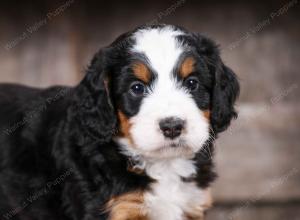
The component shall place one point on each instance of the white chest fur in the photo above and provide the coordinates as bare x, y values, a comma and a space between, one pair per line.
171, 198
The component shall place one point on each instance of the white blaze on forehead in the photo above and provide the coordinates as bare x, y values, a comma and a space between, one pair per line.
160, 47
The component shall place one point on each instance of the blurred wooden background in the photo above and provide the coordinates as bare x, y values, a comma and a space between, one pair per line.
43, 43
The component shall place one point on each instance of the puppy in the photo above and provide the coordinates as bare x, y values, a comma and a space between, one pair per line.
132, 141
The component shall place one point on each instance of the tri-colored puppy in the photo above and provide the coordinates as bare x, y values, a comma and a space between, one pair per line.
133, 141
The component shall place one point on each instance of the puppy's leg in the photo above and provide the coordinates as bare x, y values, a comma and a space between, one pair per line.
129, 206
198, 212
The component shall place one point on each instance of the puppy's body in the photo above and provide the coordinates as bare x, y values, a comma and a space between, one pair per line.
40, 178
105, 149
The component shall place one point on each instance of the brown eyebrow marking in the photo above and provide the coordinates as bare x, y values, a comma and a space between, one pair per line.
187, 67
141, 71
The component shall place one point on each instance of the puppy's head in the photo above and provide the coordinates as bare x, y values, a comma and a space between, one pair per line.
164, 89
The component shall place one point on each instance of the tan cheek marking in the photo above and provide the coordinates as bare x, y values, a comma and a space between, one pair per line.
129, 206
207, 114
187, 67
198, 212
124, 126
141, 72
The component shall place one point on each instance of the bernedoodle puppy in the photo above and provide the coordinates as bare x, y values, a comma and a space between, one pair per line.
132, 141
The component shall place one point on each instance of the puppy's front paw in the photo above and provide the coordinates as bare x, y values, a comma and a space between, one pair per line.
129, 206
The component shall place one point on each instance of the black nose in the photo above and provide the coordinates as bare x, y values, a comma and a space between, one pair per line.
171, 127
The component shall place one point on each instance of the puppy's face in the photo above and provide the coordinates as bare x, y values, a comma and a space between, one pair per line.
164, 98
162, 83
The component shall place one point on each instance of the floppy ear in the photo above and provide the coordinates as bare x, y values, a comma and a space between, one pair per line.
94, 109
225, 88
225, 91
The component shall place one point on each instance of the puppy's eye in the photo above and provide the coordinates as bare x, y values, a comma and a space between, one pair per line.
191, 83
137, 89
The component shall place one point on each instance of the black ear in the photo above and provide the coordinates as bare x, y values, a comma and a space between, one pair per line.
94, 109
225, 84
226, 90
